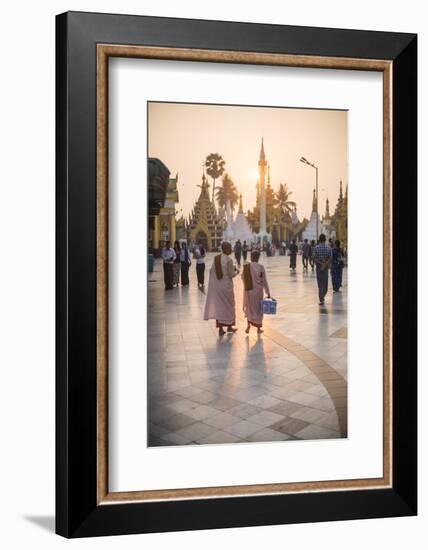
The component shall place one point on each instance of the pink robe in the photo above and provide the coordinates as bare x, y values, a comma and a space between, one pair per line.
220, 303
252, 298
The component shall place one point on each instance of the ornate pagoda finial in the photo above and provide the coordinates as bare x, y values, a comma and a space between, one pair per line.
204, 186
340, 191
262, 159
240, 203
314, 201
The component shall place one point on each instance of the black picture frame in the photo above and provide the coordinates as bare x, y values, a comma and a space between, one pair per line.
77, 511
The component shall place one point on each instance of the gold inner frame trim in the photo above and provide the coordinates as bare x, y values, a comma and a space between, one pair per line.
104, 51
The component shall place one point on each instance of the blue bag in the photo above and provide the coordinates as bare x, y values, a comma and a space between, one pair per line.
269, 306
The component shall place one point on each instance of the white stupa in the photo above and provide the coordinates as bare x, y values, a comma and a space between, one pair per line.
228, 232
241, 228
310, 231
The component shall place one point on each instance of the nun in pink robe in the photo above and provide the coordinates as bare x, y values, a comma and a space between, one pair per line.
255, 284
220, 303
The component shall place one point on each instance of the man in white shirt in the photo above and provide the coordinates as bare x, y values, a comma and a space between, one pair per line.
168, 257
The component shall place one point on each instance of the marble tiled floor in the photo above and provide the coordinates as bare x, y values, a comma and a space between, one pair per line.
288, 383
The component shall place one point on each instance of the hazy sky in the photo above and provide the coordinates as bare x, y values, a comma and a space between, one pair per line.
182, 135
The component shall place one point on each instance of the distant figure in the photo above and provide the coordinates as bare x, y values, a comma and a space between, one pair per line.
322, 258
168, 257
199, 255
238, 251
311, 254
245, 251
185, 264
293, 254
255, 282
306, 250
177, 264
283, 248
336, 269
220, 303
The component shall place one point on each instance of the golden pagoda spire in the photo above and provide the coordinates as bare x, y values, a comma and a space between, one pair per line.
262, 176
314, 201
240, 203
204, 186
340, 192
327, 209
262, 153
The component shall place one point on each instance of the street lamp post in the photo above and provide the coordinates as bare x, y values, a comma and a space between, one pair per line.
305, 161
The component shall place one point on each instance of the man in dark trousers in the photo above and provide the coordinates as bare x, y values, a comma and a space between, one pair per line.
185, 264
293, 255
306, 249
168, 257
311, 254
238, 251
322, 257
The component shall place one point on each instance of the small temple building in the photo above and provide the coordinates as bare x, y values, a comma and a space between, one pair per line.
163, 197
204, 224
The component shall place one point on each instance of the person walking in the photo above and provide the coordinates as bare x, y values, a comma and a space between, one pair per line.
322, 258
177, 264
311, 255
199, 255
220, 303
255, 284
306, 249
336, 267
293, 255
245, 251
185, 264
238, 251
168, 257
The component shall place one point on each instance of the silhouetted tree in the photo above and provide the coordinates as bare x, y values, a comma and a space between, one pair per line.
214, 164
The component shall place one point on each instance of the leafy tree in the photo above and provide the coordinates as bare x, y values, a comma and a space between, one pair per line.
214, 165
282, 201
227, 194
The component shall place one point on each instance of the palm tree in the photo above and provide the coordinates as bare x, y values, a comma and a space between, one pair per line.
282, 200
227, 194
214, 164
284, 205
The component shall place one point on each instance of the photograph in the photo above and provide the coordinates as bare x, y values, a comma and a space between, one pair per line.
247, 259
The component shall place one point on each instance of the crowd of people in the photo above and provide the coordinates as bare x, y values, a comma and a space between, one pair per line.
176, 262
322, 257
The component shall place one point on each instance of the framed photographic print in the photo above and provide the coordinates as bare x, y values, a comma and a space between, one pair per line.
236, 327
